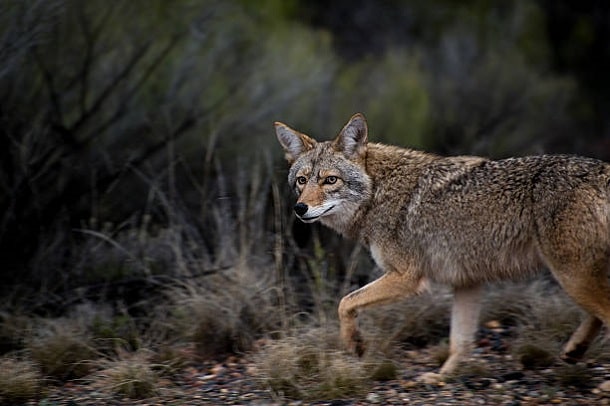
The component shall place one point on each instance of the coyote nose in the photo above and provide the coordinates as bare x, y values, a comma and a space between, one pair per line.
300, 208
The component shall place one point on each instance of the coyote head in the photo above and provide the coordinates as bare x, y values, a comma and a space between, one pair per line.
328, 177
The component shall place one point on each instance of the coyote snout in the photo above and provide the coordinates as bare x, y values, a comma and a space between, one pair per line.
462, 221
309, 214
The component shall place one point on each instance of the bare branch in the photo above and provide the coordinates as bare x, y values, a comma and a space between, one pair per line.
107, 92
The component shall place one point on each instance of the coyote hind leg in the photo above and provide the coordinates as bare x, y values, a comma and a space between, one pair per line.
591, 291
579, 342
389, 288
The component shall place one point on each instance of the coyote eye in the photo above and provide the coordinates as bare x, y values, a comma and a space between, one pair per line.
330, 180
301, 180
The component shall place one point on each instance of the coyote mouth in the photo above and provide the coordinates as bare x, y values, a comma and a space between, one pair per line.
314, 218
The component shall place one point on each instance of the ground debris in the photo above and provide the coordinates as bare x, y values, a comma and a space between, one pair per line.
234, 382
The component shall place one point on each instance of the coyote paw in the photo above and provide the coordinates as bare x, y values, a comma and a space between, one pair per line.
355, 344
430, 378
575, 355
359, 347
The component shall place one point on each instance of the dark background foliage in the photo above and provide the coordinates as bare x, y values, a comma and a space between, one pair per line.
122, 120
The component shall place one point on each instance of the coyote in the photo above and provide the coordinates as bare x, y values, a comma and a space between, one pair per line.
460, 221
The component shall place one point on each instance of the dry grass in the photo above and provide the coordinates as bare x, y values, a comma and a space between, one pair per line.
131, 375
62, 349
310, 365
226, 314
539, 310
577, 375
550, 319
20, 380
415, 322
170, 360
533, 355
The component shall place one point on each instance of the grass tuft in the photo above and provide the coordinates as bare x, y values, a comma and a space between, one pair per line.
130, 376
416, 322
170, 360
532, 356
311, 367
385, 371
20, 380
440, 352
577, 375
62, 351
226, 315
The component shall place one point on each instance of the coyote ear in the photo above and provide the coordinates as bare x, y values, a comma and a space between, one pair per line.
293, 142
353, 137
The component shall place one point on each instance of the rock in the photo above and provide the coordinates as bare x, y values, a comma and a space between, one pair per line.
431, 378
373, 398
409, 384
493, 324
604, 386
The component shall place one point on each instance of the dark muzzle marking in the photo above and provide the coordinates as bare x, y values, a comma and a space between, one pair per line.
300, 208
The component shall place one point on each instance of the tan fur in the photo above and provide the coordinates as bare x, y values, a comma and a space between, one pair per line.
462, 221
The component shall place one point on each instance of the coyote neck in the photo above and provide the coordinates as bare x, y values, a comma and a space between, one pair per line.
394, 174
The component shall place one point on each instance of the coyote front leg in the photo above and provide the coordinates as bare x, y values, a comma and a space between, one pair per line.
387, 289
464, 321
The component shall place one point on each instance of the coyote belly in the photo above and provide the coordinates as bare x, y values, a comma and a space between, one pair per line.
462, 221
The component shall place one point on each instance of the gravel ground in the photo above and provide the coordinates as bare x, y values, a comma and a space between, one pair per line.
504, 383
490, 377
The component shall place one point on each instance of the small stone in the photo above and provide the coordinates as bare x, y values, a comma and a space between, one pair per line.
493, 324
431, 378
604, 386
373, 398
